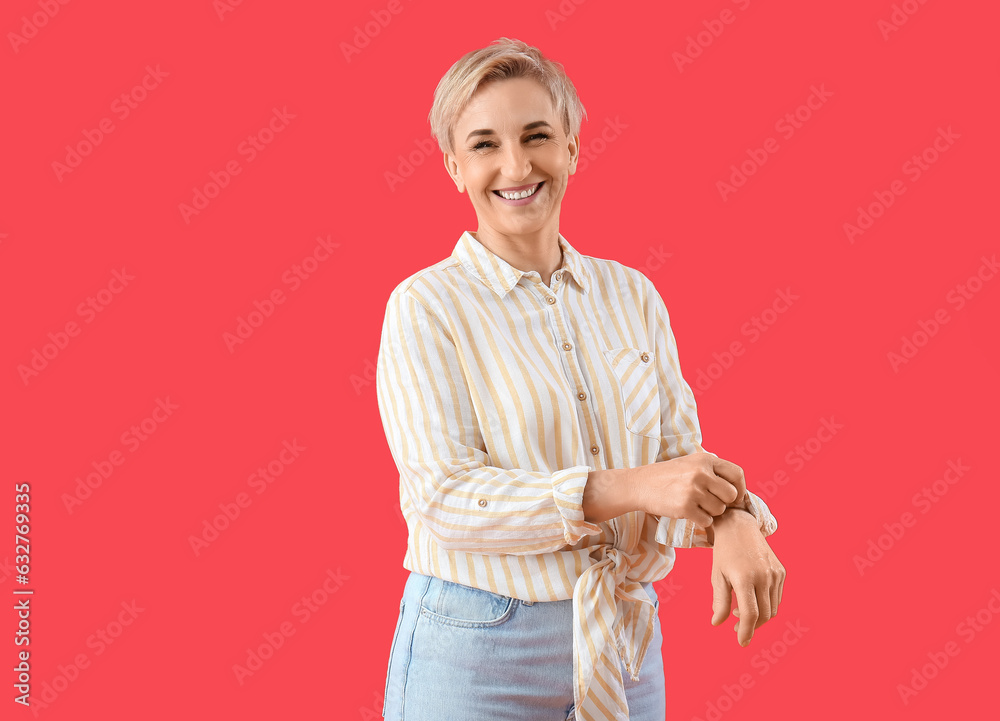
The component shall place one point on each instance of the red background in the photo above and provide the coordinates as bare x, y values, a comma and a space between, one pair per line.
305, 373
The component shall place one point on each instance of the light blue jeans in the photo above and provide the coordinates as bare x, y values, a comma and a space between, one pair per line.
464, 654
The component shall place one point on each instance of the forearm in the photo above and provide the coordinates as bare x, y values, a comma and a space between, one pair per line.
608, 494
494, 510
611, 492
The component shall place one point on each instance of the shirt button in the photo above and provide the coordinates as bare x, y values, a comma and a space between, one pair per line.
550, 299
567, 346
582, 396
645, 357
595, 450
482, 502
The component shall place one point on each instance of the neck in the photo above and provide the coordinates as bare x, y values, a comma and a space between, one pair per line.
540, 252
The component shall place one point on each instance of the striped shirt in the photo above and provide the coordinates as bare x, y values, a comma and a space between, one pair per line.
498, 395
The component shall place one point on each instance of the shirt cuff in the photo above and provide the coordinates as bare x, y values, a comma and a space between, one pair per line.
567, 491
677, 532
682, 533
766, 521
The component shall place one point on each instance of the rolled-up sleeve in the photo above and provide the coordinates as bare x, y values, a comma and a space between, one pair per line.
433, 432
680, 432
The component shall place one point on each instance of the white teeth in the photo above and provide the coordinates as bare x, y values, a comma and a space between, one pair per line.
520, 194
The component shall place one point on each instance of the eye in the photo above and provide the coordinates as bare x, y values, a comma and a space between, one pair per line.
490, 144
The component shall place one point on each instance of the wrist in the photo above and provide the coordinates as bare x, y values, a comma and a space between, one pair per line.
735, 510
733, 516
733, 519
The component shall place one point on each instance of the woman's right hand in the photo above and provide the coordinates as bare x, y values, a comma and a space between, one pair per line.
698, 486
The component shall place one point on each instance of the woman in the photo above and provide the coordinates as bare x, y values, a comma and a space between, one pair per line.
548, 447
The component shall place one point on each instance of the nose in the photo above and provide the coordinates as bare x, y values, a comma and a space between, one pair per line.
516, 164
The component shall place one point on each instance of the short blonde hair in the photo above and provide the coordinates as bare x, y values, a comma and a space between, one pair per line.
501, 60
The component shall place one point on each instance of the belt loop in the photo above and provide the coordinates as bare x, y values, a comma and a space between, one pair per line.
527, 603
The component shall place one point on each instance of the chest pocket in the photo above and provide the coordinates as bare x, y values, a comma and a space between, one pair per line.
635, 371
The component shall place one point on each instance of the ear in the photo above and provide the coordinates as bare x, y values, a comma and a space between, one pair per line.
451, 165
574, 153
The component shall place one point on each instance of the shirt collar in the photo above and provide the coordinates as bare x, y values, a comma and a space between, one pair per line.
501, 276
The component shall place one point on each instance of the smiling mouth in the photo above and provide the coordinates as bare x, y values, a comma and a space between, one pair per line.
520, 194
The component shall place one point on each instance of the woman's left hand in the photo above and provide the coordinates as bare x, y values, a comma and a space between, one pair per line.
743, 562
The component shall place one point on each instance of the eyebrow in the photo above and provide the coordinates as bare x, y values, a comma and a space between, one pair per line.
529, 126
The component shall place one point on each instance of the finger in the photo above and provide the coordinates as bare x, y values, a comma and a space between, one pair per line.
781, 586
712, 505
775, 595
700, 517
722, 599
747, 600
722, 489
732, 473
763, 594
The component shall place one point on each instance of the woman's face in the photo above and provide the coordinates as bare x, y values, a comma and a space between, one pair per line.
509, 138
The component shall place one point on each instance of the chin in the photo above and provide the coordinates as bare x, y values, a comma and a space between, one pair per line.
521, 228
